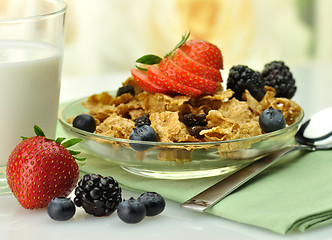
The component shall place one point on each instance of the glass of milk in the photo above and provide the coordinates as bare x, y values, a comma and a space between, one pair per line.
31, 50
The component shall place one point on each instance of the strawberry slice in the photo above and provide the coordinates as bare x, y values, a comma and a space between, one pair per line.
145, 83
187, 63
203, 52
175, 72
160, 79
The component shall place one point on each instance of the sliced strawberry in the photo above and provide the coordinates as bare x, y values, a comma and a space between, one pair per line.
187, 63
203, 52
145, 83
175, 72
160, 79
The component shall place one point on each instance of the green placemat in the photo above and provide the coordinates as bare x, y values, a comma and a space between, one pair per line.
295, 194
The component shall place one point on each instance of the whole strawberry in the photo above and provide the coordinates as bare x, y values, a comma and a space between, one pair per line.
39, 169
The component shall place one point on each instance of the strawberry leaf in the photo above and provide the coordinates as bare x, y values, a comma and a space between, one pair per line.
149, 59
38, 131
183, 40
74, 152
79, 159
59, 140
71, 142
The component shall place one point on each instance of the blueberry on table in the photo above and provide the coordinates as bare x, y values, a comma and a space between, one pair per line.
142, 133
61, 208
153, 202
131, 211
85, 122
271, 120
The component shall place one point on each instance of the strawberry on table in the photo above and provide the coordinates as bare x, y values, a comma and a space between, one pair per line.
39, 169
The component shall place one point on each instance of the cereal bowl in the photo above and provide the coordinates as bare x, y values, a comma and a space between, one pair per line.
184, 160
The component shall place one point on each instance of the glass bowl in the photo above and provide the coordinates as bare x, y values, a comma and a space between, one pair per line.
177, 160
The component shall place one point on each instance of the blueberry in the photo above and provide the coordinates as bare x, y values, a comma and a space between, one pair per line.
131, 211
271, 120
61, 209
85, 122
153, 202
125, 89
142, 133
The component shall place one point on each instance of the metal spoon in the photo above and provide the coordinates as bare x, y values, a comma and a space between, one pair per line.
314, 134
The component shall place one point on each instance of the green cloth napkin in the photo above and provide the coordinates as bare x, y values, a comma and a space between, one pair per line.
294, 194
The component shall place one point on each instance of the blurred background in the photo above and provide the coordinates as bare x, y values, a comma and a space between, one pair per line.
107, 36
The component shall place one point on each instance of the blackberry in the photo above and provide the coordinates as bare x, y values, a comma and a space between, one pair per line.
142, 120
98, 195
125, 89
242, 77
276, 74
191, 120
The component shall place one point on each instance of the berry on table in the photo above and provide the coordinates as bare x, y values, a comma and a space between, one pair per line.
142, 133
85, 122
242, 77
277, 75
40, 168
61, 208
153, 202
271, 120
98, 195
125, 89
131, 211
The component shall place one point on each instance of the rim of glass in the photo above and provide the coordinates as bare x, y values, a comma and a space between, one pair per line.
59, 11
122, 140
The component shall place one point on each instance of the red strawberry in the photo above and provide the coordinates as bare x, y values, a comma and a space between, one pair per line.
185, 62
159, 78
145, 83
39, 169
173, 71
203, 52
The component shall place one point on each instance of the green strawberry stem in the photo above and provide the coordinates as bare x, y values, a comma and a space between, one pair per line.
69, 143
183, 40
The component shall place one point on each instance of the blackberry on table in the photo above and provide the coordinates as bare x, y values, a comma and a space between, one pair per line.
142, 120
98, 195
125, 89
242, 77
276, 74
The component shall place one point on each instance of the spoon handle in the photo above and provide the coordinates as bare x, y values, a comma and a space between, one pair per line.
223, 188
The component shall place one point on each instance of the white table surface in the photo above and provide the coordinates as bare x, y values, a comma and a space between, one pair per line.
314, 87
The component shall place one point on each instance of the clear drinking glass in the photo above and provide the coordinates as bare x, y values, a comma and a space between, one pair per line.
31, 51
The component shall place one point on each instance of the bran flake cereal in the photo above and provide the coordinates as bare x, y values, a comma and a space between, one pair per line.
227, 118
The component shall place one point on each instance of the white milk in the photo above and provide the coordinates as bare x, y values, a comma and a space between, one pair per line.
29, 91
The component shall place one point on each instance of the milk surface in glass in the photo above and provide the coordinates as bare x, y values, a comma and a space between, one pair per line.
29, 92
